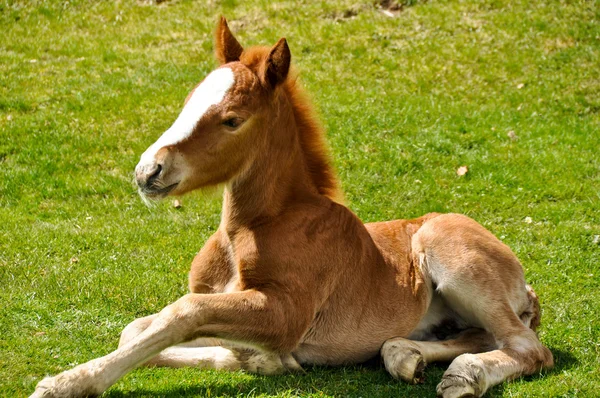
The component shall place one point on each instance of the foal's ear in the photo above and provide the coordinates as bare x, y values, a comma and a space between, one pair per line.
227, 48
277, 65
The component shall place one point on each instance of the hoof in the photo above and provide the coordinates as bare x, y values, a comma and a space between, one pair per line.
44, 389
71, 384
457, 387
407, 365
464, 378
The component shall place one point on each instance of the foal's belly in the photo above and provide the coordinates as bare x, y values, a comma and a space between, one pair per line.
346, 340
325, 354
353, 346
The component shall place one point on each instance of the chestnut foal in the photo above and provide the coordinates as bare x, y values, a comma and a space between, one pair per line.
293, 277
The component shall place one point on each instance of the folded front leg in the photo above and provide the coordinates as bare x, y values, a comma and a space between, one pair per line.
250, 316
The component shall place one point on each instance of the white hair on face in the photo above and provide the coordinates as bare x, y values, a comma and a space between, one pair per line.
210, 92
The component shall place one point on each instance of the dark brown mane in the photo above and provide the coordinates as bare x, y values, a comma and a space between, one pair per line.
311, 133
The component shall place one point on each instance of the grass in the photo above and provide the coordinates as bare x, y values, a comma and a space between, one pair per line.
85, 87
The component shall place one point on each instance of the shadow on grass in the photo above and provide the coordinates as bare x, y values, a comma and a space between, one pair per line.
562, 360
367, 380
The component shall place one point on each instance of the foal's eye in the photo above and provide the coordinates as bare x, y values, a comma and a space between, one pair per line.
233, 122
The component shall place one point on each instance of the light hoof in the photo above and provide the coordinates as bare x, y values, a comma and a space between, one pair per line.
69, 384
464, 378
44, 389
456, 389
407, 365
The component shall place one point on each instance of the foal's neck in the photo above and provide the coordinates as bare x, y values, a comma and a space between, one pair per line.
274, 181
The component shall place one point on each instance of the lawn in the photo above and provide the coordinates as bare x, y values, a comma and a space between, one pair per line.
508, 88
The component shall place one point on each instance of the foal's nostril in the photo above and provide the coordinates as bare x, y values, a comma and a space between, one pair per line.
155, 175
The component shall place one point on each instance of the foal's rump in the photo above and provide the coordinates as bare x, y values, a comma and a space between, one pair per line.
476, 283
476, 276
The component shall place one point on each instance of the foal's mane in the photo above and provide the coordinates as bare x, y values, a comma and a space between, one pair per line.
310, 131
312, 141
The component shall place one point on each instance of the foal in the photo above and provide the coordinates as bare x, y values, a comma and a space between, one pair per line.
293, 277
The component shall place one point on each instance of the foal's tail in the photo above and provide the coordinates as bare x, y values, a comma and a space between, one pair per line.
532, 316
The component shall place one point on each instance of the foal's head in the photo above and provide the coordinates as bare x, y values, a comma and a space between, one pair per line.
214, 138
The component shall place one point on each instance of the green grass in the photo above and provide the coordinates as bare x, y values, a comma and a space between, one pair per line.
85, 87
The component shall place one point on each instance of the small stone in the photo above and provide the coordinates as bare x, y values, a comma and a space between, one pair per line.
74, 260
528, 220
177, 204
520, 85
511, 134
9, 118
462, 170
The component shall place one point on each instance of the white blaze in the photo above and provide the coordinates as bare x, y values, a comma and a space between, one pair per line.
210, 92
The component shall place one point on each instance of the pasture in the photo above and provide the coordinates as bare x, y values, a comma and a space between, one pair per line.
408, 95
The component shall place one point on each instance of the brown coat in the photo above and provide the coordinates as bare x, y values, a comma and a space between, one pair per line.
293, 277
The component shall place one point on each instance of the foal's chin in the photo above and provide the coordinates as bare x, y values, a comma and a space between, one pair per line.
149, 197
207, 191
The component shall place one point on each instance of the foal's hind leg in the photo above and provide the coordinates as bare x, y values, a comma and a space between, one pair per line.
472, 375
406, 359
482, 281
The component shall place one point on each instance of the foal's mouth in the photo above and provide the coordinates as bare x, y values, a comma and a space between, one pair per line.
157, 192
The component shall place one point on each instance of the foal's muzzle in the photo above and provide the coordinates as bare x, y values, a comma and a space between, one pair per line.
147, 175
149, 181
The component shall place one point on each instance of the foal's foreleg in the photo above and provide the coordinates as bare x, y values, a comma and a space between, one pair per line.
244, 316
211, 353
226, 358
137, 327
202, 353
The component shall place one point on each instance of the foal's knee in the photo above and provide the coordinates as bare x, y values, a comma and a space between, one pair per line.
134, 329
